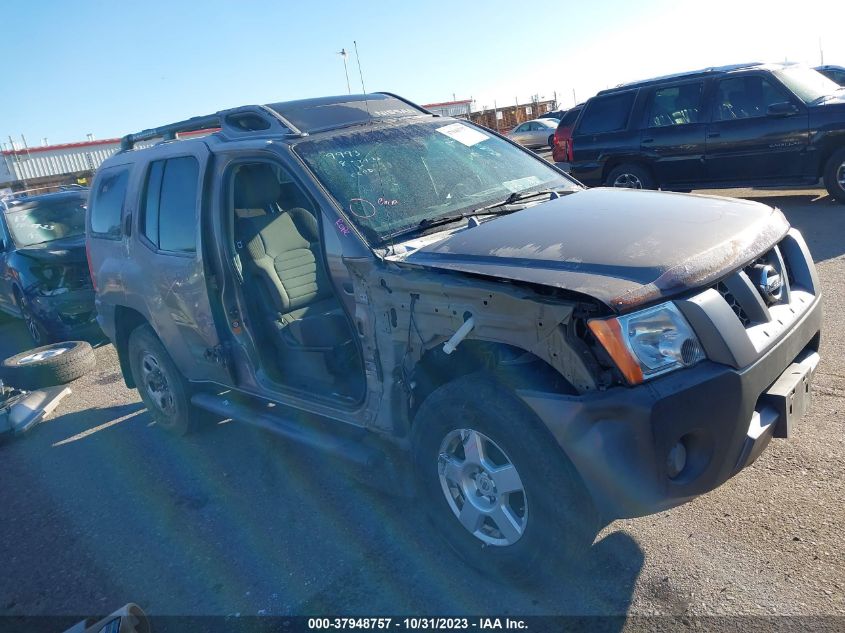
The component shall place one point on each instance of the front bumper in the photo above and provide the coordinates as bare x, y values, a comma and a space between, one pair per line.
619, 440
67, 316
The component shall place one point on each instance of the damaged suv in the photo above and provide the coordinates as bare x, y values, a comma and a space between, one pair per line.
419, 295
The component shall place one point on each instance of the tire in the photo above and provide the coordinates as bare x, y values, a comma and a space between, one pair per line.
637, 176
551, 141
834, 176
555, 518
163, 388
48, 365
36, 331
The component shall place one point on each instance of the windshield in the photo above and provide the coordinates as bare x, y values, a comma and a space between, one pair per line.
44, 221
390, 179
810, 85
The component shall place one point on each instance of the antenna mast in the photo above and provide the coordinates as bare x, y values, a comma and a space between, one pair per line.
360, 72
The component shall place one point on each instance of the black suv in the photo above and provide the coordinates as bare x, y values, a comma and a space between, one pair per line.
419, 295
742, 125
44, 276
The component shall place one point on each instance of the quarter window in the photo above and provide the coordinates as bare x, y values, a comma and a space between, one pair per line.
675, 105
107, 202
170, 204
606, 114
746, 97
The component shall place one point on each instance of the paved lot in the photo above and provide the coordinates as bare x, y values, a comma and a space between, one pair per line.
99, 508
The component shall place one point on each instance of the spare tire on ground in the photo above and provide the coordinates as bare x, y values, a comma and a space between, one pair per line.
54, 364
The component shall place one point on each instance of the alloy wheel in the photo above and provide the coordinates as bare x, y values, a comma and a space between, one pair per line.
482, 487
157, 385
840, 176
31, 326
628, 181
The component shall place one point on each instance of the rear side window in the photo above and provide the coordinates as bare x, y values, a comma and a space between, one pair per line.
675, 105
107, 202
570, 117
170, 204
606, 114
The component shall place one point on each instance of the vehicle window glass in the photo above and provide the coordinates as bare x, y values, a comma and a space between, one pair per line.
606, 114
675, 105
389, 179
178, 205
746, 97
149, 208
808, 84
107, 201
533, 127
46, 220
521, 128
570, 117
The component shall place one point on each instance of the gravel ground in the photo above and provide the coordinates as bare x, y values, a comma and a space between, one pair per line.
99, 509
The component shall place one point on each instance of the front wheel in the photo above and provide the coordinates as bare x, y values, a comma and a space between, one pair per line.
37, 332
497, 486
630, 176
834, 176
162, 386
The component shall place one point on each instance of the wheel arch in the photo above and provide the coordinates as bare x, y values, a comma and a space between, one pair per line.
126, 320
512, 367
616, 161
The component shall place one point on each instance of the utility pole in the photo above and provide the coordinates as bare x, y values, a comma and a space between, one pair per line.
496, 114
574, 98
821, 52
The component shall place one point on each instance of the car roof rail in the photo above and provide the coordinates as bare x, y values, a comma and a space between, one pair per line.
233, 123
691, 74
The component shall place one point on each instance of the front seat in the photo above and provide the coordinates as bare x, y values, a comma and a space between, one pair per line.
283, 266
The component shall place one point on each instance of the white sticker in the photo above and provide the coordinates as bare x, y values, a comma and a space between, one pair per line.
521, 183
463, 134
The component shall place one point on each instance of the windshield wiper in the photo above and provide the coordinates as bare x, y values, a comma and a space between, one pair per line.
516, 197
490, 209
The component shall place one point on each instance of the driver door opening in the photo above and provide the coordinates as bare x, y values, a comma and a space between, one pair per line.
304, 338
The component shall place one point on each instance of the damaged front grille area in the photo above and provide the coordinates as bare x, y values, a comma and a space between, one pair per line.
722, 289
773, 289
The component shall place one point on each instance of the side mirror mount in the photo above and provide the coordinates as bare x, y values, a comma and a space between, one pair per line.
783, 109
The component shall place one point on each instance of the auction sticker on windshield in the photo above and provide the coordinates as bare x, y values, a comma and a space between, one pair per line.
521, 183
463, 134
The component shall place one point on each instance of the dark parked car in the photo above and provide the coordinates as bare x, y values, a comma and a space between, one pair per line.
553, 114
44, 277
433, 303
834, 73
743, 125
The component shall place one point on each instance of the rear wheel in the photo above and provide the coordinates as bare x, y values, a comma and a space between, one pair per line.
163, 388
497, 487
834, 176
630, 176
551, 141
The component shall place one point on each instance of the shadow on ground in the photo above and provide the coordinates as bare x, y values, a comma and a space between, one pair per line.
231, 520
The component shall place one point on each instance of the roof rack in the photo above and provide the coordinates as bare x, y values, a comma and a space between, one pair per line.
691, 74
235, 122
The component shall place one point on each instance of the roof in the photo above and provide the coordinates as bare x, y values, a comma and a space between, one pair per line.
692, 74
20, 199
447, 103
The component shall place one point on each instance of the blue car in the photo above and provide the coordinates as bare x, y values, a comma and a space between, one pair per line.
44, 276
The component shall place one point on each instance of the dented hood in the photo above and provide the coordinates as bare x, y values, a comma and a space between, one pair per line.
624, 247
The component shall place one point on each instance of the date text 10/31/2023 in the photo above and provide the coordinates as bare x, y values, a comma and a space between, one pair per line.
418, 623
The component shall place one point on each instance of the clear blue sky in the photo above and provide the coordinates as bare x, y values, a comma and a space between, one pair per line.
109, 68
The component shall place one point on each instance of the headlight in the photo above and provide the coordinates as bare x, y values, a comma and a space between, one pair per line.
50, 280
649, 343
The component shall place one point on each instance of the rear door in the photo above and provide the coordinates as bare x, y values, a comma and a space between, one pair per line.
673, 132
602, 133
167, 265
747, 143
